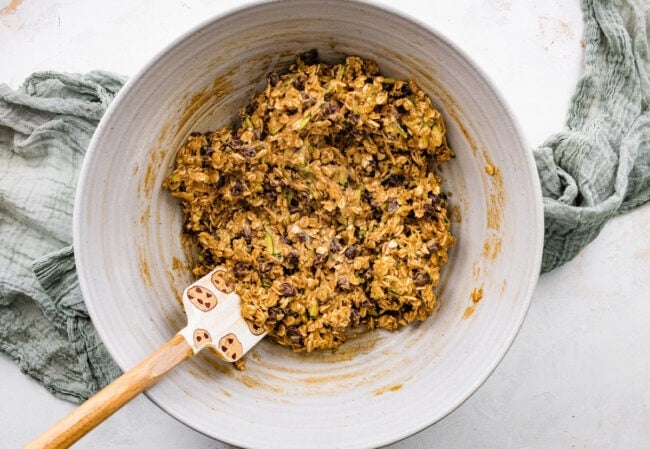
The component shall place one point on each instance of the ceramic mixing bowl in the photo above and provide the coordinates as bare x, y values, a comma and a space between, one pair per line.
380, 387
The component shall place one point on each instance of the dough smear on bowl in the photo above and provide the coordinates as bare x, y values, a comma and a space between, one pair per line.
323, 205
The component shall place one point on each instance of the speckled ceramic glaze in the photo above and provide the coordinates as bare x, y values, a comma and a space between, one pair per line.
379, 387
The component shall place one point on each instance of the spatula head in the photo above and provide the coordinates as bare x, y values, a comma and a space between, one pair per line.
214, 318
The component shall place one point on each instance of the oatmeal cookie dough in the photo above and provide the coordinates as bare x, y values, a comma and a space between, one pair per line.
323, 205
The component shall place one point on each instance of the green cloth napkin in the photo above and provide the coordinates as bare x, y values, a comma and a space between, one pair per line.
44, 325
597, 168
600, 166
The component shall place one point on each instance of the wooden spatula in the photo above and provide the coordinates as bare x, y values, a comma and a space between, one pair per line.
214, 321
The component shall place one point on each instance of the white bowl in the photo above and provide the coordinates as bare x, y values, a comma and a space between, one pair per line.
378, 388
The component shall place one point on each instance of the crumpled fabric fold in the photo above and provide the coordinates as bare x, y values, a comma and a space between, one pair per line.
600, 166
45, 128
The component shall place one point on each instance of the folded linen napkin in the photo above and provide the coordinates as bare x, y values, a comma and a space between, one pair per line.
598, 167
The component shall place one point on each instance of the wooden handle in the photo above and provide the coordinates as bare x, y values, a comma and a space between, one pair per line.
103, 404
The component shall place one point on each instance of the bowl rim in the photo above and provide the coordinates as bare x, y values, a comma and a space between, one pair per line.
132, 82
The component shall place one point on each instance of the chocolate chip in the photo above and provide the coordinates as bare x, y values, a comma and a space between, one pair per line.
310, 57
394, 180
293, 331
429, 210
330, 108
401, 110
434, 198
421, 278
240, 269
248, 152
406, 308
250, 108
435, 201
433, 246
235, 142
221, 181
405, 89
275, 313
352, 251
207, 151
437, 198
293, 258
273, 78
287, 289
367, 304
237, 188
376, 211
198, 290
299, 82
198, 338
336, 246
208, 258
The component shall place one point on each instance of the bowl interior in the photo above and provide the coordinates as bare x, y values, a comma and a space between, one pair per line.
133, 264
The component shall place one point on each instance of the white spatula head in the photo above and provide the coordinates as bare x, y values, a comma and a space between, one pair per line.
214, 318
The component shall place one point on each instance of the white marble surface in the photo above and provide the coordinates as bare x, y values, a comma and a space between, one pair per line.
577, 376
